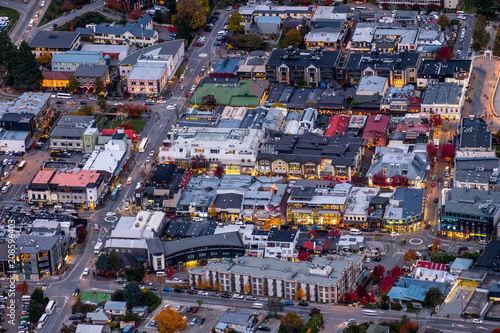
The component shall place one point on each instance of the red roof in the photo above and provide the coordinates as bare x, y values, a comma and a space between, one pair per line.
410, 127
337, 125
309, 245
131, 134
49, 75
431, 265
376, 123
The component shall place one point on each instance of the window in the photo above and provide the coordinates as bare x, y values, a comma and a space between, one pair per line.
214, 151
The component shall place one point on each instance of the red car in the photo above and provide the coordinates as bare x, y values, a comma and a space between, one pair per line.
433, 185
236, 6
427, 226
195, 309
79, 7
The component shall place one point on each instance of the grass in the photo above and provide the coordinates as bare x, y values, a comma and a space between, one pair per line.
100, 121
11, 14
138, 124
412, 310
52, 12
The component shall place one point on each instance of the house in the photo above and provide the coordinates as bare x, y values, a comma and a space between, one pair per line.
269, 26
115, 52
332, 100
234, 319
361, 40
69, 61
323, 280
86, 76
376, 328
405, 211
116, 308
74, 133
460, 265
53, 42
376, 129
337, 125
372, 85
142, 311
316, 67
99, 317
407, 17
92, 328
329, 38
253, 67
426, 271
281, 244
431, 38
445, 99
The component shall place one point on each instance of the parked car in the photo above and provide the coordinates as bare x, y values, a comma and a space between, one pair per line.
193, 322
237, 296
251, 298
167, 289
288, 303
195, 309
303, 304
264, 328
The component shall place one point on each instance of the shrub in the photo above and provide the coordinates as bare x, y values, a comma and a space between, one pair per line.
396, 306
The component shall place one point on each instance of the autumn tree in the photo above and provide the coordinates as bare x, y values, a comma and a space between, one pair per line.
99, 86
136, 14
292, 37
192, 12
437, 120
431, 149
379, 179
169, 321
346, 298
387, 284
23, 288
378, 273
247, 288
399, 181
435, 245
234, 23
219, 171
292, 322
444, 22
209, 101
358, 180
300, 294
198, 162
170, 273
212, 211
444, 53
73, 85
410, 256
448, 152
81, 234
45, 59
396, 272
302, 256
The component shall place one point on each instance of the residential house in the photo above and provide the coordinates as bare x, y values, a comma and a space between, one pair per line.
460, 265
116, 308
92, 328
237, 319
53, 42
269, 26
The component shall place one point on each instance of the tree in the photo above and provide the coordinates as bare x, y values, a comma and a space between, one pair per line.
8, 53
170, 321
410, 255
379, 179
274, 305
212, 211
117, 295
314, 311
135, 273
247, 288
396, 272
99, 86
435, 245
444, 53
102, 263
234, 23
437, 120
433, 297
448, 152
249, 42
293, 37
23, 288
387, 284
444, 22
431, 149
115, 263
192, 12
183, 29
292, 322
219, 171
27, 74
170, 273
35, 311
81, 234
487, 8
198, 162
200, 302
300, 82
73, 85
346, 298
399, 181
101, 103
131, 316
45, 59
358, 180
302, 256
378, 273
300, 294
136, 14
132, 294
209, 101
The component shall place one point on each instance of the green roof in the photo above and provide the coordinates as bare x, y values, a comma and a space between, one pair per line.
229, 95
88, 296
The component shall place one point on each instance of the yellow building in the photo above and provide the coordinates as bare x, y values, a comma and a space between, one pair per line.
56, 80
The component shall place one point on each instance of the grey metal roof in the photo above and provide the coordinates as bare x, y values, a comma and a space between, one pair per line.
91, 71
277, 235
475, 134
53, 39
476, 170
223, 239
302, 58
442, 93
411, 203
165, 48
395, 162
115, 305
35, 244
72, 126
381, 61
228, 201
472, 202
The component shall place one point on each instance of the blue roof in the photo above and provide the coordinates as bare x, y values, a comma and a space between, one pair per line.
225, 65
268, 20
77, 57
229, 123
406, 282
398, 293
461, 264
416, 293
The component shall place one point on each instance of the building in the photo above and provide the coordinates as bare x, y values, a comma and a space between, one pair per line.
198, 196
468, 213
129, 5
356, 209
170, 53
29, 103
322, 280
55, 80
337, 125
69, 61
235, 149
444, 99
400, 68
54, 42
86, 76
38, 256
372, 85
282, 11
452, 71
316, 67
311, 155
115, 52
164, 188
281, 244
376, 130
237, 319
194, 250
316, 202
479, 173
474, 135
329, 38
116, 308
253, 67
82, 189
405, 211
404, 39
145, 225
460, 265
398, 101
150, 75
428, 37
92, 328
269, 26
109, 160
361, 40
74, 133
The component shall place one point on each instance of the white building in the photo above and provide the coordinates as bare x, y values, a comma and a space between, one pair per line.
356, 209
235, 149
445, 99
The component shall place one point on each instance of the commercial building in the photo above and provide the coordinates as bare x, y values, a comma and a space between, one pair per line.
400, 100
56, 80
474, 135
74, 133
376, 130
53, 42
115, 52
86, 76
71, 60
322, 280
235, 149
404, 39
163, 191
110, 159
452, 71
405, 211
281, 244
444, 99
479, 173
38, 256
356, 209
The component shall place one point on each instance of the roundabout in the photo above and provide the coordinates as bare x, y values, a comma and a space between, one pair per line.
111, 219
415, 241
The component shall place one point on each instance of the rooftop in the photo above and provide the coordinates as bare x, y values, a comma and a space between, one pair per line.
165, 48
443, 93
374, 84
53, 39
91, 71
475, 134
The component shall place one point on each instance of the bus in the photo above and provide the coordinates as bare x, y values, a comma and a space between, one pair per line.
50, 307
21, 165
114, 194
64, 95
142, 146
42, 321
98, 247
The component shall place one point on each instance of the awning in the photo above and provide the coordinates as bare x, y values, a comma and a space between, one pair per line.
330, 212
302, 211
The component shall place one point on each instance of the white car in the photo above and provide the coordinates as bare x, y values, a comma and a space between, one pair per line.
86, 271
96, 226
368, 260
477, 321
110, 214
202, 293
349, 322
229, 8
42, 4
171, 106
166, 305
193, 322
237, 296
193, 88
185, 318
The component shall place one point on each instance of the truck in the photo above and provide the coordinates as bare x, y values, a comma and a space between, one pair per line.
98, 247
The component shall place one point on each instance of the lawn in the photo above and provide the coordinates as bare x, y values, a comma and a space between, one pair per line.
138, 124
100, 122
11, 14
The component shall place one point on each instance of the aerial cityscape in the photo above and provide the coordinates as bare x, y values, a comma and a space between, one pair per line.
226, 166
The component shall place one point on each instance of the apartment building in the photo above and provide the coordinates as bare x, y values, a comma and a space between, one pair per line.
405, 211
38, 256
74, 133
54, 42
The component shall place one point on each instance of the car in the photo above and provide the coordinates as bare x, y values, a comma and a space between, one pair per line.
462, 249
193, 322
201, 321
148, 103
251, 298
148, 159
189, 309
193, 88
349, 322
96, 226
305, 303
368, 260
110, 214
173, 106
440, 180
86, 271
73, 318
167, 289
427, 226
433, 185
264, 299
433, 178
42, 4
195, 309
288, 303
76, 292
214, 294
225, 296
185, 318
377, 258
264, 328
477, 321
436, 200
59, 102
229, 8
127, 206
483, 242
237, 296
178, 290
402, 242
153, 288
71, 102
419, 255
202, 293
179, 307
83, 102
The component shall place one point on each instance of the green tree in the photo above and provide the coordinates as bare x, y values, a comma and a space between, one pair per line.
249, 42
487, 8
275, 306
101, 103
193, 12
27, 74
102, 263
433, 297
38, 297
132, 294
444, 22
149, 298
135, 273
292, 322
234, 22
300, 82
131, 316
35, 311
200, 302
99, 86
293, 37
183, 29
114, 262
73, 85
7, 57
117, 295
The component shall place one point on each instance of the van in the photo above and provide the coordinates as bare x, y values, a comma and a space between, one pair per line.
160, 273
355, 232
8, 184
5, 189
32, 22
